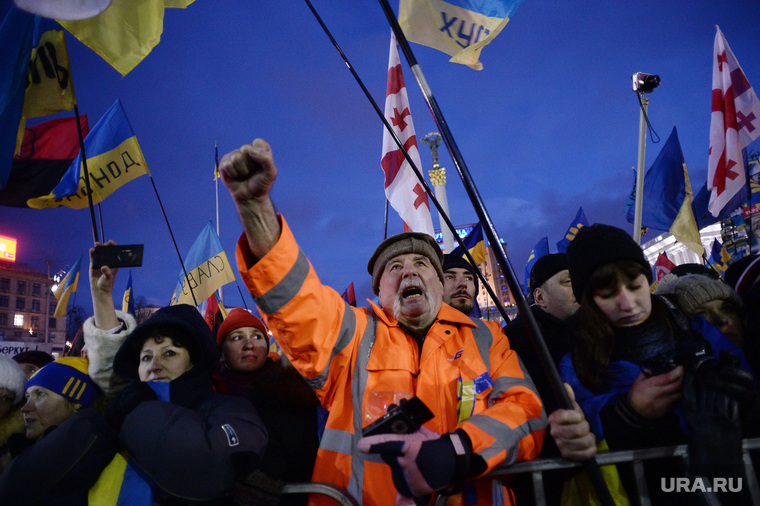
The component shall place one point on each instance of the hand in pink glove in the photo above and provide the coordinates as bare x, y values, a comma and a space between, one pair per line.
422, 462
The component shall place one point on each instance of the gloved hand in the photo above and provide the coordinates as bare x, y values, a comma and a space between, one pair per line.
128, 399
424, 461
740, 385
715, 436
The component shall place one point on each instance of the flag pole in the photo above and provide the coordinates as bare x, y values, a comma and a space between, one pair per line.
173, 240
490, 231
86, 175
385, 221
220, 296
479, 206
417, 172
639, 205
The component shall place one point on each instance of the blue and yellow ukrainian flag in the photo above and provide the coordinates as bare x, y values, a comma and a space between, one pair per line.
460, 28
128, 302
113, 159
668, 197
208, 269
66, 287
720, 258
475, 244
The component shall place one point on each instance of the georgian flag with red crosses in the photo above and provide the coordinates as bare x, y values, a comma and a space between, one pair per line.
402, 188
735, 122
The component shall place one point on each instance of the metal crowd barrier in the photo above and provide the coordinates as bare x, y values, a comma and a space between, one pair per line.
537, 467
327, 489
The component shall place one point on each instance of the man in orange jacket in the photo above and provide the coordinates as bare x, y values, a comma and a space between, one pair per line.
362, 360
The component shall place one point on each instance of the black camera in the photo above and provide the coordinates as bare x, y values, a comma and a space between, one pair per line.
645, 83
404, 418
691, 355
113, 256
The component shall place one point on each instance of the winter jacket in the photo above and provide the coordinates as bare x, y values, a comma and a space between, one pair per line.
102, 346
359, 360
60, 468
192, 446
288, 408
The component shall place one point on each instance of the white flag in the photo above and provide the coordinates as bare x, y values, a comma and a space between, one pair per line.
402, 188
735, 122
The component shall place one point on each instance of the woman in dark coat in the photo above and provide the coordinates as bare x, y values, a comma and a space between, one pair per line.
641, 368
185, 441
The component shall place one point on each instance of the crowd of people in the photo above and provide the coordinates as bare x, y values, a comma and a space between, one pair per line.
172, 411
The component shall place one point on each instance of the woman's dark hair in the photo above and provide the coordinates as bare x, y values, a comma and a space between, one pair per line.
593, 333
161, 332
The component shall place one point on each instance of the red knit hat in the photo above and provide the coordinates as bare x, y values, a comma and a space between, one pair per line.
236, 319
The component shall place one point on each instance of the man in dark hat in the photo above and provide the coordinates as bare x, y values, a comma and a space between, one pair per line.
553, 305
362, 360
460, 283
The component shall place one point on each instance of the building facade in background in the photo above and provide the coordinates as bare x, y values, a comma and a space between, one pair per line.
27, 306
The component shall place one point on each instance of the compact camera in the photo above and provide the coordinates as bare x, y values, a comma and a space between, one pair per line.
404, 418
113, 256
645, 83
691, 355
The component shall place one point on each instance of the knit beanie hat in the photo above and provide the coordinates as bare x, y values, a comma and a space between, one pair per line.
598, 245
12, 377
236, 319
743, 273
693, 290
546, 267
400, 244
34, 357
454, 261
67, 376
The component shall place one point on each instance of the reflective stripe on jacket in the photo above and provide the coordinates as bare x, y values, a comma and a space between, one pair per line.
359, 360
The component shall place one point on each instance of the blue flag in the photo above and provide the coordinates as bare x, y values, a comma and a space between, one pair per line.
540, 249
113, 159
475, 244
16, 35
579, 222
667, 196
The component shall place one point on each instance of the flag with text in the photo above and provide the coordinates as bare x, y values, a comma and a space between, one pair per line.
114, 158
459, 28
208, 269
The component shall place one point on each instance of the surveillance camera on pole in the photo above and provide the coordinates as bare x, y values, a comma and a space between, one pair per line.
645, 83
642, 83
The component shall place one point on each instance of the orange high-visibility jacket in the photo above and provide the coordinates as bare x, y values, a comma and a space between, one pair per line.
359, 361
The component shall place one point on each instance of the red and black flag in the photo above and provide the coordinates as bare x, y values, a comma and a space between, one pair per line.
47, 151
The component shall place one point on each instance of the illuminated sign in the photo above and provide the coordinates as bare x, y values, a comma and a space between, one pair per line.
7, 248
461, 232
